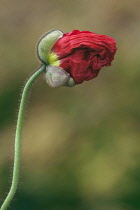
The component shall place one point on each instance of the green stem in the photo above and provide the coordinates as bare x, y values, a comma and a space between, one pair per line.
17, 148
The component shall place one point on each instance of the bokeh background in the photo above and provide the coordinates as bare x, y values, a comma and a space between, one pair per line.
81, 145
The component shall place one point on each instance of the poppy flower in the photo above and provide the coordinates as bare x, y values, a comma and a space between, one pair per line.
82, 54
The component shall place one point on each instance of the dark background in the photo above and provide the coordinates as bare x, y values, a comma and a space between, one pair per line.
80, 145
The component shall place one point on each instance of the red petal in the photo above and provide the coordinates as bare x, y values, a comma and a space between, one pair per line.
83, 53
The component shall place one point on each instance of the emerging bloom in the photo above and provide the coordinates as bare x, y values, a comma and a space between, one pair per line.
82, 54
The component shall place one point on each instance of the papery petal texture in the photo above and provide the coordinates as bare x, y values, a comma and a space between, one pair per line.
82, 53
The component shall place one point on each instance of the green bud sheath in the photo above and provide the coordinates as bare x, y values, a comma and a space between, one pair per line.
46, 43
56, 76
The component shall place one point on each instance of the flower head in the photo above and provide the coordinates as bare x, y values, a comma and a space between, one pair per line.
82, 54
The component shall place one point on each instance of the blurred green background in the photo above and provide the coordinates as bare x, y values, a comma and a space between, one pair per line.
81, 145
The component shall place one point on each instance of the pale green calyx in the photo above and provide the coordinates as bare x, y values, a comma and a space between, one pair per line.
46, 43
56, 77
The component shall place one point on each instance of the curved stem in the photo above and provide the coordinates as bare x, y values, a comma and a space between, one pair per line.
17, 148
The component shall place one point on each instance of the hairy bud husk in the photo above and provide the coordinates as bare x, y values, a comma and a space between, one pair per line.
56, 77
46, 43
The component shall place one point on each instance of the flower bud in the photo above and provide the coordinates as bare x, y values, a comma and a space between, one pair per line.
56, 76
46, 43
82, 54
